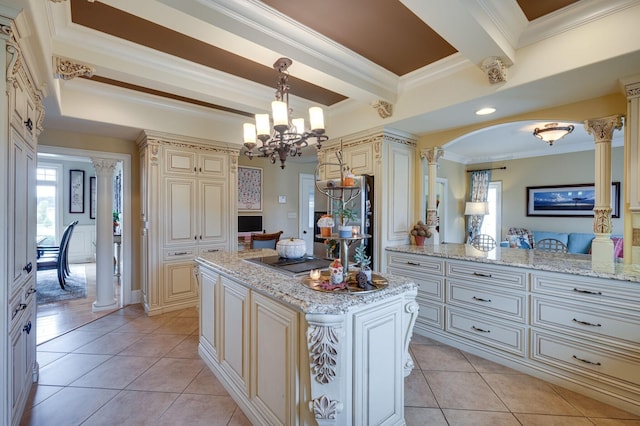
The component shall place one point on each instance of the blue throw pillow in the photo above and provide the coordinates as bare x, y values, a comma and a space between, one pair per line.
580, 242
524, 244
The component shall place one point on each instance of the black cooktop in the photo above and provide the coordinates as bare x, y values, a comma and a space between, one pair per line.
291, 266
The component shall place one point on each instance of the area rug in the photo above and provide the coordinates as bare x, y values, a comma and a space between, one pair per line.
49, 289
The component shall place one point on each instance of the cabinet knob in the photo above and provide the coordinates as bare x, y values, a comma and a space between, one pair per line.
31, 291
28, 268
21, 307
29, 124
27, 327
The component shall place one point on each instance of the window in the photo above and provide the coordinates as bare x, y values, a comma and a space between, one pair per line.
49, 203
492, 222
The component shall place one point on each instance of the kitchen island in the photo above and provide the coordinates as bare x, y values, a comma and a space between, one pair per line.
546, 314
288, 354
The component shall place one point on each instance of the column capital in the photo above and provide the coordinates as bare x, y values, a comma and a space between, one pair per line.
432, 155
602, 128
104, 166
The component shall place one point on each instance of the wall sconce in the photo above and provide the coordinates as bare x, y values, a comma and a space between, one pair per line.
552, 132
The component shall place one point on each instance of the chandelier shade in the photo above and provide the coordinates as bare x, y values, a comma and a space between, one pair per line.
552, 132
288, 136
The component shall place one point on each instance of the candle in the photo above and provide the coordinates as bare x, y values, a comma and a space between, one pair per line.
314, 274
355, 230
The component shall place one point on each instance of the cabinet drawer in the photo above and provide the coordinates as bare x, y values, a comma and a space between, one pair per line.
507, 337
415, 263
512, 306
473, 272
602, 364
429, 286
587, 289
430, 314
593, 324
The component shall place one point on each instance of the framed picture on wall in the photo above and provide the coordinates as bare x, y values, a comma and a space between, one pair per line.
76, 191
93, 200
249, 189
568, 200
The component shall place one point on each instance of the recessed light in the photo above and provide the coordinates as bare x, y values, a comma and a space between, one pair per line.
485, 111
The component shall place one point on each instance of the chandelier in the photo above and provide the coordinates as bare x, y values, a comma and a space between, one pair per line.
288, 136
552, 132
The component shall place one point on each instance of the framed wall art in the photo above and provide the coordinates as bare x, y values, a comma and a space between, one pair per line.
568, 200
93, 197
249, 189
76, 191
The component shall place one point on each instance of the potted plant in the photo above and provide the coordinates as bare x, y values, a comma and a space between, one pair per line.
345, 214
363, 260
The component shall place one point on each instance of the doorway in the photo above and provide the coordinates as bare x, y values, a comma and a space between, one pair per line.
306, 224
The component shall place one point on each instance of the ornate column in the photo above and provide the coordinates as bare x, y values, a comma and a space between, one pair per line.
631, 204
432, 155
105, 292
602, 246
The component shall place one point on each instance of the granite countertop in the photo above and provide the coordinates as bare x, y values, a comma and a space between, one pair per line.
291, 290
578, 264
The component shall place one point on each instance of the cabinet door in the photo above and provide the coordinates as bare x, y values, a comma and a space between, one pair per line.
208, 289
212, 165
180, 211
179, 282
360, 159
213, 210
234, 336
179, 161
274, 359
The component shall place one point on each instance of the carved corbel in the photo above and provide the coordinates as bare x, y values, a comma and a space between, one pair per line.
495, 69
323, 342
325, 408
66, 69
385, 109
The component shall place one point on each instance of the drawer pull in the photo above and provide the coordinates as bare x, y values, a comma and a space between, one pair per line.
586, 323
481, 330
586, 361
479, 274
479, 299
28, 267
588, 292
180, 253
413, 263
212, 250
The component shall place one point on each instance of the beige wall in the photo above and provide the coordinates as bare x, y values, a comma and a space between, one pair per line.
112, 145
276, 216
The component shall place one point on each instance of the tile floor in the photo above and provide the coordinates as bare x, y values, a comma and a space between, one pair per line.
127, 368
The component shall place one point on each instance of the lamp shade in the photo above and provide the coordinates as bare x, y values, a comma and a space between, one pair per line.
476, 208
552, 132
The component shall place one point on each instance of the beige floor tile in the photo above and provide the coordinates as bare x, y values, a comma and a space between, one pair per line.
206, 383
615, 422
154, 345
479, 418
193, 410
133, 408
417, 392
485, 366
440, 358
45, 358
70, 406
116, 373
168, 375
592, 408
39, 393
110, 344
418, 339
526, 394
188, 348
105, 324
417, 416
142, 325
178, 325
549, 420
463, 390
69, 368
70, 341
239, 419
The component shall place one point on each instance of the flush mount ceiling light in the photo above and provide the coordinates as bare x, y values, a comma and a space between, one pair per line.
552, 132
287, 137
485, 111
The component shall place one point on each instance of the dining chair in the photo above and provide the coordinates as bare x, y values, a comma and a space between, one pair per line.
551, 245
57, 257
259, 241
483, 242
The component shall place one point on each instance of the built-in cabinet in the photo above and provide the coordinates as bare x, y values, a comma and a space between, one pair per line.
578, 331
21, 122
188, 194
389, 156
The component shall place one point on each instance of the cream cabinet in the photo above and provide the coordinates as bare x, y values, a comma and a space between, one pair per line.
188, 197
21, 115
388, 156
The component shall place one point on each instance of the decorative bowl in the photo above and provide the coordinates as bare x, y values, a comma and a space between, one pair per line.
291, 248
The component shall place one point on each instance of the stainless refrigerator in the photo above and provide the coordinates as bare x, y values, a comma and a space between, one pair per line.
362, 204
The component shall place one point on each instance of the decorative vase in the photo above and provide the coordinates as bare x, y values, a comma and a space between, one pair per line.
419, 240
325, 231
344, 231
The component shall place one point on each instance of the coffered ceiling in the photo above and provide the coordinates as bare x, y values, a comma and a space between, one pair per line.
201, 67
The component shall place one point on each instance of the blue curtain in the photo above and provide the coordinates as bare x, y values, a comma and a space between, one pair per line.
478, 192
